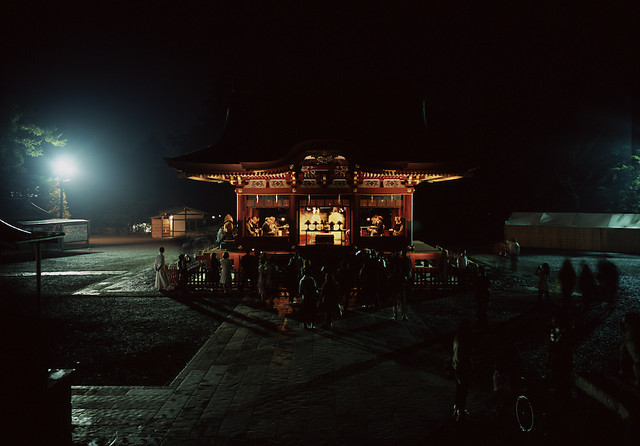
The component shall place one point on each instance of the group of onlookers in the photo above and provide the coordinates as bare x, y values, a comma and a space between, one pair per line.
592, 287
373, 279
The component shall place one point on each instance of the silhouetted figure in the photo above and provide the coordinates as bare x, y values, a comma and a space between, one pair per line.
462, 261
543, 272
444, 265
249, 265
514, 248
330, 297
213, 274
162, 279
608, 279
183, 272
514, 253
587, 284
462, 363
401, 275
271, 278
308, 290
384, 280
346, 282
481, 294
293, 275
262, 277
567, 278
369, 280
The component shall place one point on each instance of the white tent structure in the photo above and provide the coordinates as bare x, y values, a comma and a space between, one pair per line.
575, 231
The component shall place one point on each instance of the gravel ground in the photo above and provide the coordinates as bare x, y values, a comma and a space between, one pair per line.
598, 332
130, 334
104, 318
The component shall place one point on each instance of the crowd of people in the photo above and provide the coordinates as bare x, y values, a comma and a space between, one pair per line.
321, 292
370, 278
600, 286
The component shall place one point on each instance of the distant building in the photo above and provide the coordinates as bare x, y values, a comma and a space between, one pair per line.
575, 231
177, 222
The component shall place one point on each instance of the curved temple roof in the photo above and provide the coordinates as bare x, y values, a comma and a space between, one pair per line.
312, 155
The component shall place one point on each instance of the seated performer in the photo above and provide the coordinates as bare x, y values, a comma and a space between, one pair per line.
377, 225
269, 227
253, 226
398, 227
225, 232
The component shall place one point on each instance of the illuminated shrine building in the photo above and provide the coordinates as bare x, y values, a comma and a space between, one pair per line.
320, 194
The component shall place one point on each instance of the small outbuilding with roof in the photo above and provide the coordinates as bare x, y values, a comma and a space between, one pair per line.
177, 222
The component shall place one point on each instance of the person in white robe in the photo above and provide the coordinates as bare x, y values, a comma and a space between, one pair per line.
225, 274
162, 280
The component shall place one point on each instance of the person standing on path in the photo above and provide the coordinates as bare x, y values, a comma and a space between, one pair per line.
294, 274
213, 274
308, 290
330, 298
249, 264
462, 363
162, 279
262, 277
587, 285
183, 272
401, 277
543, 272
567, 278
225, 272
346, 281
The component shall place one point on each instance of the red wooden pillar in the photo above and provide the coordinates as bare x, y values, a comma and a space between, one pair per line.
241, 213
407, 210
294, 236
355, 220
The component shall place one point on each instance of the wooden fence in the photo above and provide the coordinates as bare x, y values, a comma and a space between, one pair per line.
423, 277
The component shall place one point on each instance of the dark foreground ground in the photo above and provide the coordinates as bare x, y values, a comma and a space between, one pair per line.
102, 317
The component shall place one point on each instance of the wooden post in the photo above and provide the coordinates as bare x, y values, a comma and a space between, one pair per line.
355, 220
407, 211
38, 279
294, 233
241, 215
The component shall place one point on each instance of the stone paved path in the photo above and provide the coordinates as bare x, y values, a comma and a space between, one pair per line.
263, 379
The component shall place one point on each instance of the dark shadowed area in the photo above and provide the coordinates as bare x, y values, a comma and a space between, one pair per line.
519, 90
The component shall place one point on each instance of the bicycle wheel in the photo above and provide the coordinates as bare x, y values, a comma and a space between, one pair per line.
524, 414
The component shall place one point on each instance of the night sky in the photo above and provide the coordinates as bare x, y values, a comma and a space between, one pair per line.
129, 83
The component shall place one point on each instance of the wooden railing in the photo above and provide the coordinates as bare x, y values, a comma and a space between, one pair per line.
423, 277
431, 277
198, 277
